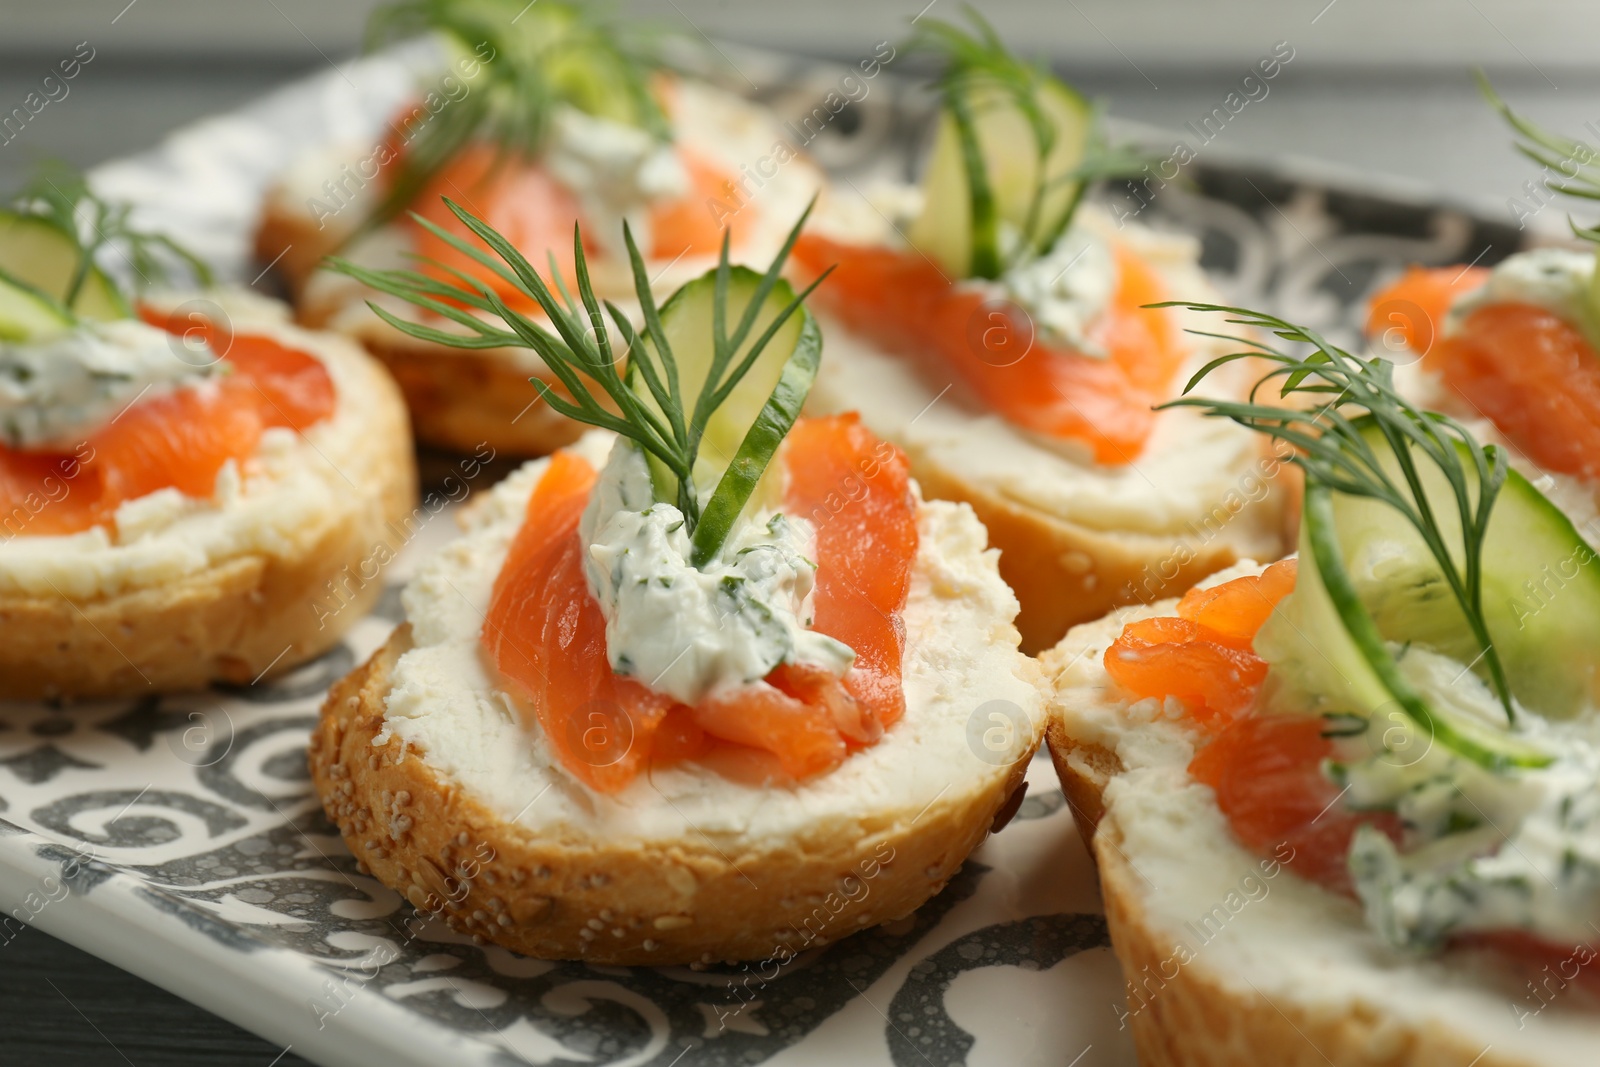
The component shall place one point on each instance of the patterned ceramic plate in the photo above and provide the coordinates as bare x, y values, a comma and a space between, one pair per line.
178, 837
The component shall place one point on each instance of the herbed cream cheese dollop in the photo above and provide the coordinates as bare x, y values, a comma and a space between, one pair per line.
691, 631
1511, 850
616, 171
1556, 279
55, 391
1066, 289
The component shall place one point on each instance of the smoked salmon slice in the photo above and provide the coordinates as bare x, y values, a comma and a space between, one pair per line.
905, 304
176, 440
1535, 376
691, 225
1203, 657
1411, 312
545, 634
1523, 367
521, 200
1266, 769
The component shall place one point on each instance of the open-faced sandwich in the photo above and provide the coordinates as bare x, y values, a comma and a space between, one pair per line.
541, 116
717, 684
1514, 351
191, 490
1005, 345
1346, 808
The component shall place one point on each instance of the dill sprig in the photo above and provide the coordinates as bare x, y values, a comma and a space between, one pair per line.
981, 73
584, 356
1577, 163
543, 55
1351, 396
59, 196
1555, 152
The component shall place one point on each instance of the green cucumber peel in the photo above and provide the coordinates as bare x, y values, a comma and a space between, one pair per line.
1578, 164
1014, 145
1363, 632
27, 313
773, 423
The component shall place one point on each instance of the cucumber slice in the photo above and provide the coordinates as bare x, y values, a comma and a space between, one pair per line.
742, 434
1541, 585
1373, 677
1374, 584
984, 170
39, 254
26, 313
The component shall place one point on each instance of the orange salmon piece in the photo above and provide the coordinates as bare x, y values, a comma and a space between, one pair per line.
519, 199
45, 493
1266, 771
1410, 313
906, 305
180, 440
691, 225
1235, 610
856, 490
545, 633
1203, 657
1535, 376
293, 388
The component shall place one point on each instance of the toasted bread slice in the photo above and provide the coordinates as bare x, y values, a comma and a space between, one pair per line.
1078, 538
459, 399
254, 585
1229, 957
445, 795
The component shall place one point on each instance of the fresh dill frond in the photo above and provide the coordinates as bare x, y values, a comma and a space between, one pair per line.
981, 75
1577, 163
1348, 396
59, 196
534, 58
584, 356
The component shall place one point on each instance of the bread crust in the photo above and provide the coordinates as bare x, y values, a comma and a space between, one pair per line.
461, 399
1197, 1019
615, 900
1065, 573
239, 619
289, 238
1182, 1010
1085, 769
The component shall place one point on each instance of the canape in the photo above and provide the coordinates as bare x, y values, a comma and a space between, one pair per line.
1513, 351
542, 116
710, 684
204, 493
1343, 806
1005, 345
